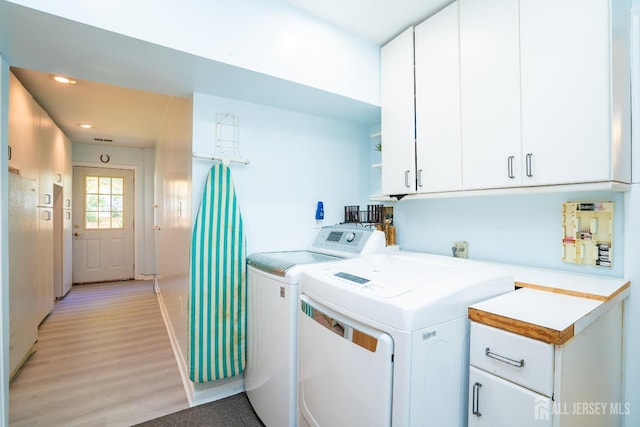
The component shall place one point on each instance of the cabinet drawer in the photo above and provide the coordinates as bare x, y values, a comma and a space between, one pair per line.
523, 360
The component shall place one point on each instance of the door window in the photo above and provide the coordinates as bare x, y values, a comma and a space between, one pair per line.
104, 206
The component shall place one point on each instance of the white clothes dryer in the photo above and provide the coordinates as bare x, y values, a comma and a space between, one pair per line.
270, 377
384, 339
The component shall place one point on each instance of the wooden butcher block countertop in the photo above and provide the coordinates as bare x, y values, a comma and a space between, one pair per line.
551, 306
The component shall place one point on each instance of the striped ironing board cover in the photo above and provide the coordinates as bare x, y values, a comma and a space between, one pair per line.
218, 304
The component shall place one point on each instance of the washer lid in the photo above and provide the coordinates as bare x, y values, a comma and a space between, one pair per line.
278, 263
389, 276
404, 290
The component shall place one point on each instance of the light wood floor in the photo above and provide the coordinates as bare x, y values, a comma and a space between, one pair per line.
103, 359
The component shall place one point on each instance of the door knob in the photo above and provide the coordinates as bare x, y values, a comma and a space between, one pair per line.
76, 234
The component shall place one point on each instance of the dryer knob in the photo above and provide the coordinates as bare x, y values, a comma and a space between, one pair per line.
350, 236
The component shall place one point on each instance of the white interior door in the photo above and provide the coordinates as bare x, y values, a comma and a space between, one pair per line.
103, 224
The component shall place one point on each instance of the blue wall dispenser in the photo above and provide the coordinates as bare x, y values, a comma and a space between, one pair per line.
320, 211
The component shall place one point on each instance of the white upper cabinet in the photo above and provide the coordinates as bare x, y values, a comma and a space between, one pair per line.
398, 124
23, 125
545, 93
437, 88
490, 87
575, 94
508, 93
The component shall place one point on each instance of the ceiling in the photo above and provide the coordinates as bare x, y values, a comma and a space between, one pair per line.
130, 114
376, 20
124, 117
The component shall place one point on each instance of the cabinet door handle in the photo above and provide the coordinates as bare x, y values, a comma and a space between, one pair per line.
475, 401
529, 164
503, 359
510, 167
419, 177
406, 178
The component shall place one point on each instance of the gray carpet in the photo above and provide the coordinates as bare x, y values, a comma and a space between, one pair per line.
233, 411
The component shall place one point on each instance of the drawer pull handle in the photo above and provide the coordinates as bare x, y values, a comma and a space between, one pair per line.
475, 404
503, 359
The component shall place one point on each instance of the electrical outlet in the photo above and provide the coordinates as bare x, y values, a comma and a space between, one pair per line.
460, 249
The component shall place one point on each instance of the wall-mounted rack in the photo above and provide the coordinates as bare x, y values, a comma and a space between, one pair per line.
224, 160
227, 143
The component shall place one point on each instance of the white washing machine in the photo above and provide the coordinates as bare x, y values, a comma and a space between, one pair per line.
270, 377
384, 339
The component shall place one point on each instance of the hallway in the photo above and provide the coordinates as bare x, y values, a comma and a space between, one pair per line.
103, 358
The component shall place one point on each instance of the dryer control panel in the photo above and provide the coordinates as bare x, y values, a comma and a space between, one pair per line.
349, 240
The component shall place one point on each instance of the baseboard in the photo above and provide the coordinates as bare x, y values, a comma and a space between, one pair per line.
23, 362
197, 393
177, 353
216, 390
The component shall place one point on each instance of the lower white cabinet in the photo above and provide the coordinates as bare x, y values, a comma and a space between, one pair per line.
520, 381
497, 402
23, 273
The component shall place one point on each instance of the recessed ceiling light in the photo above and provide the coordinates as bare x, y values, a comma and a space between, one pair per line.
62, 79
85, 125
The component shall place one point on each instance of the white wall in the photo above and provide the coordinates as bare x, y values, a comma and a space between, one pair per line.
4, 243
632, 307
172, 220
266, 36
516, 229
632, 247
296, 160
137, 159
148, 255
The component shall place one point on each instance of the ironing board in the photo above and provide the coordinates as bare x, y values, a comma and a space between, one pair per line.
217, 316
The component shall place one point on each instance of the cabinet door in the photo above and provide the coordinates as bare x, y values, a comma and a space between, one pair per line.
437, 68
58, 158
398, 115
494, 402
67, 251
23, 125
23, 274
566, 90
45, 263
46, 137
490, 87
67, 175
